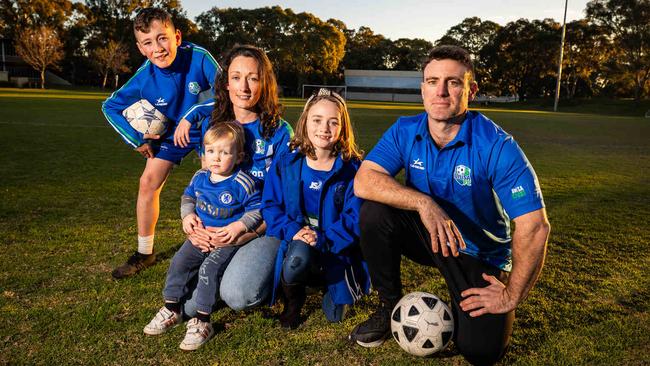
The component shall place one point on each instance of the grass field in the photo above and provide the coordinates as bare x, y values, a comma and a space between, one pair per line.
67, 217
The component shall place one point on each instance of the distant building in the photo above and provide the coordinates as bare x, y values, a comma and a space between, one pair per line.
383, 85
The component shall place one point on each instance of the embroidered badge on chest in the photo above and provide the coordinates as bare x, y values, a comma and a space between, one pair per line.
260, 146
194, 87
463, 175
225, 198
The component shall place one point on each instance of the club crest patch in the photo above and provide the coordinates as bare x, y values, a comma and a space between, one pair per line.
225, 198
339, 195
463, 175
260, 146
194, 87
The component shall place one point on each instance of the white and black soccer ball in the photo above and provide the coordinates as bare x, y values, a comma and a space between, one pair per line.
145, 118
422, 324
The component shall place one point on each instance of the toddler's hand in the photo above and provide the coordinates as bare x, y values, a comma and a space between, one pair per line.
190, 222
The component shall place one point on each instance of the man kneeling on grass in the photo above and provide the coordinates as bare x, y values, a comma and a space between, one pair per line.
467, 185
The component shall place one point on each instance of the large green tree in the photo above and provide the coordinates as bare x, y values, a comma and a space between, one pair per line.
627, 22
473, 34
408, 54
367, 50
302, 47
586, 50
522, 58
23, 14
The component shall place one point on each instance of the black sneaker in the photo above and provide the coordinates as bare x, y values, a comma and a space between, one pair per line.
136, 263
374, 331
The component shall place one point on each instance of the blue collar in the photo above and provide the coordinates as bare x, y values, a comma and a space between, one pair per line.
464, 135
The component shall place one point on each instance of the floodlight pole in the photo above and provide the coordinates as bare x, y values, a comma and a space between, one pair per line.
559, 68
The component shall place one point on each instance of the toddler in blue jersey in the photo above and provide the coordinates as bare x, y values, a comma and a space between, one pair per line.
309, 204
176, 76
221, 196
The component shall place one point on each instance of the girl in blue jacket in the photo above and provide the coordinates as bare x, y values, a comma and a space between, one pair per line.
309, 204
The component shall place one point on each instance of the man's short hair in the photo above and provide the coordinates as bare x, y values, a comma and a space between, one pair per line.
146, 16
447, 52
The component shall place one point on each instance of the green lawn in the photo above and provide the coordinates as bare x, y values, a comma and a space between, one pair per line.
67, 216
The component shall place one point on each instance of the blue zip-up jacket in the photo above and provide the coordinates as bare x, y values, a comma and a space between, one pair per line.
173, 91
346, 274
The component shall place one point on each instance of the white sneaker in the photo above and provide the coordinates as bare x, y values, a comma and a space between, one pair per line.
164, 320
197, 334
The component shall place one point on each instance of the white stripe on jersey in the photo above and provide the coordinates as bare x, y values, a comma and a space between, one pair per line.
246, 182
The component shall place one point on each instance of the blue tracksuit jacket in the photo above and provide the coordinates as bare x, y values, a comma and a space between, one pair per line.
346, 274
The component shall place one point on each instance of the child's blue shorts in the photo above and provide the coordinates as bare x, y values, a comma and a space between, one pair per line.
166, 150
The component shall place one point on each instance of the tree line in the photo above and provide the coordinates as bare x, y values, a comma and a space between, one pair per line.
91, 43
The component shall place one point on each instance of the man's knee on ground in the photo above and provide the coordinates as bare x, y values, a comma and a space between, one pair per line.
481, 354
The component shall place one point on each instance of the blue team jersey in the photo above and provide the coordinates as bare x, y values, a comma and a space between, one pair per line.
261, 152
172, 91
482, 179
312, 186
219, 204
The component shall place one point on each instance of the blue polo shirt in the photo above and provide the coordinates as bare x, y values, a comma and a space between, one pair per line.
481, 178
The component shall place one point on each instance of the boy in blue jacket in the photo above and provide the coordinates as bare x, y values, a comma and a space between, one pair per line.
173, 79
309, 204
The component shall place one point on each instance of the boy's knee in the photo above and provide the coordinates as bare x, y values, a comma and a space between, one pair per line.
149, 182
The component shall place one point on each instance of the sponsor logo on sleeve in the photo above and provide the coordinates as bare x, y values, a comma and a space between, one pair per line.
518, 192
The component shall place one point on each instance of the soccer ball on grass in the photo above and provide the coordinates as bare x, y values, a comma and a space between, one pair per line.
422, 324
145, 118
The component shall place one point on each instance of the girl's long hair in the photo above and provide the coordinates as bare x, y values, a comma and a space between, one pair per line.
346, 145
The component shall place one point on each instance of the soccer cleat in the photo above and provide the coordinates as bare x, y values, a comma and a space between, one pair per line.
197, 334
136, 263
374, 331
164, 320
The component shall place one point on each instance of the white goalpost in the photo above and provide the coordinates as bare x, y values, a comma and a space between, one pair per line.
309, 89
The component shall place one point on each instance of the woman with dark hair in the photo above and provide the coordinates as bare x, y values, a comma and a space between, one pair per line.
246, 92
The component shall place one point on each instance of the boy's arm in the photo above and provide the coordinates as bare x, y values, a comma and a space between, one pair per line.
113, 107
203, 108
198, 112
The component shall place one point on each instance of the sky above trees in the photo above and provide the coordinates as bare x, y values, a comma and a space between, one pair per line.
428, 20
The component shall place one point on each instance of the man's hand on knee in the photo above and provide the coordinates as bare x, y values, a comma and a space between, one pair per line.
492, 299
441, 228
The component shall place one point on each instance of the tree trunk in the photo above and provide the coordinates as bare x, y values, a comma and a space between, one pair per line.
104, 82
117, 79
42, 78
